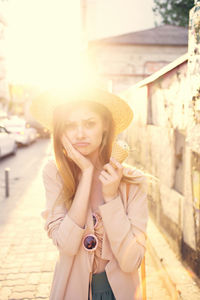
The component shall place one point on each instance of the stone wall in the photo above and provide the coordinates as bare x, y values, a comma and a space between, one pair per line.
158, 140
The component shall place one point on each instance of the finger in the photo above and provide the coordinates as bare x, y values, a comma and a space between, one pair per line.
112, 164
116, 163
106, 175
67, 144
70, 155
109, 168
66, 147
102, 179
64, 142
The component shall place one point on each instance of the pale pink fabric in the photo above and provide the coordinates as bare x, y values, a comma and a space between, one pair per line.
123, 243
99, 232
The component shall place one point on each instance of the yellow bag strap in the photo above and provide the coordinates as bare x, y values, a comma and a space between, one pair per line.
143, 270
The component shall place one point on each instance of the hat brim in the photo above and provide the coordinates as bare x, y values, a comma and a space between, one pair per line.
43, 106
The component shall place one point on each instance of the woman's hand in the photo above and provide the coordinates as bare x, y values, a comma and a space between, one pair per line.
110, 178
80, 160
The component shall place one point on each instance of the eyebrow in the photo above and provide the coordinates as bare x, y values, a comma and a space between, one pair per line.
67, 122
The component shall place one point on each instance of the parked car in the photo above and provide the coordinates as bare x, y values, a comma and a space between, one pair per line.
7, 143
17, 128
42, 131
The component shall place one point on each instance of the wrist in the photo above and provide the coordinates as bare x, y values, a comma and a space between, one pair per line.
88, 170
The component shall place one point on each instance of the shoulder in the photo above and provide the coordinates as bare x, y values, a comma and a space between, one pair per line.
50, 170
49, 166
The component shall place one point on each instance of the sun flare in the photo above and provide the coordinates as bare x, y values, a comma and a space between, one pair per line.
44, 46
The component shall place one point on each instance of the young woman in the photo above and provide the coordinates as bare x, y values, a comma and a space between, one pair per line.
97, 226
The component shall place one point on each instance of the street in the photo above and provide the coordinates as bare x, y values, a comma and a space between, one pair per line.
23, 166
27, 255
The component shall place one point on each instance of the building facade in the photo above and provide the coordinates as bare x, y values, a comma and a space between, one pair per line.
126, 59
4, 88
165, 141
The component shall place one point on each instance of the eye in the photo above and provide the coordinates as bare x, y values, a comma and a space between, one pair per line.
90, 123
69, 126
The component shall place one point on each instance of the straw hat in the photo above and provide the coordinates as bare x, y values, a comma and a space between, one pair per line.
43, 106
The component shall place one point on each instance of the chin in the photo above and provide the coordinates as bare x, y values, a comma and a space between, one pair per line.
85, 152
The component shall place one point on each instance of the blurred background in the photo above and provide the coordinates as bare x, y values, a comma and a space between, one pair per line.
146, 51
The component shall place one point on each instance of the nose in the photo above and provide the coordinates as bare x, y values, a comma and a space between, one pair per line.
80, 132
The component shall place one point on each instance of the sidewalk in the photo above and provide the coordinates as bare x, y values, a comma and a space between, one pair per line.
28, 256
174, 275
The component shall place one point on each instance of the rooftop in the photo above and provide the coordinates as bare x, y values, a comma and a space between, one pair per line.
160, 35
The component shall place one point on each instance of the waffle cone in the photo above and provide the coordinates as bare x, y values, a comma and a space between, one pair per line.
120, 151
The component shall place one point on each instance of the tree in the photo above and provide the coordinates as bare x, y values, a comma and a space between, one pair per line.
173, 12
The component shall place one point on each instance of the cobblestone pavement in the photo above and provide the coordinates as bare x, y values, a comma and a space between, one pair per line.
28, 256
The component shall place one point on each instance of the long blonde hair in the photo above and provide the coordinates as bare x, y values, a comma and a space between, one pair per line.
67, 168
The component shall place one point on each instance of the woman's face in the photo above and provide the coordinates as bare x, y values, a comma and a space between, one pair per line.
84, 128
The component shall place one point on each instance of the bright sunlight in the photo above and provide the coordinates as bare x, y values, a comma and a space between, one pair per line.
44, 43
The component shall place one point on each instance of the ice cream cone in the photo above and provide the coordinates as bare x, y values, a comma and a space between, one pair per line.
120, 151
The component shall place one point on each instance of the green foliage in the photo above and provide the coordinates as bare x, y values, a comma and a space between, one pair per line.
173, 12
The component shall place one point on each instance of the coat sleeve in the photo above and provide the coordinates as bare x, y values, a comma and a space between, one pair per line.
127, 231
63, 231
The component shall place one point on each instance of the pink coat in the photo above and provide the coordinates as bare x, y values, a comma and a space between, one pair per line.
124, 239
